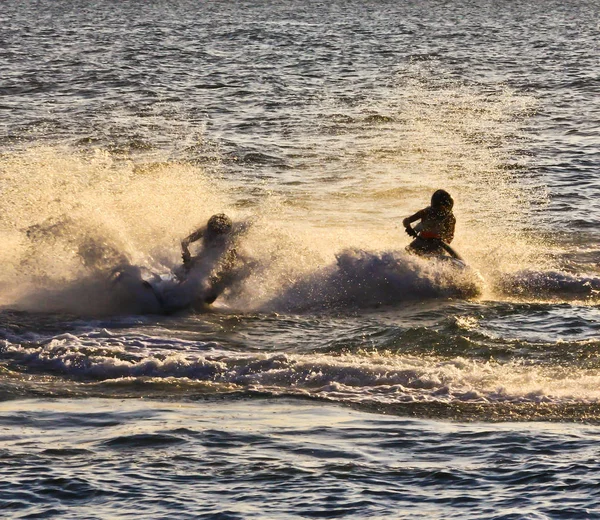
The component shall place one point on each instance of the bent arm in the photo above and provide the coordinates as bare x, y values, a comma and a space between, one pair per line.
409, 220
193, 237
413, 218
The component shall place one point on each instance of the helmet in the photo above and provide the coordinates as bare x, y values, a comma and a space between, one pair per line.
219, 224
441, 199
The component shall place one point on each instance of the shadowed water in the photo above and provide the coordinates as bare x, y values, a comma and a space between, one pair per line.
251, 459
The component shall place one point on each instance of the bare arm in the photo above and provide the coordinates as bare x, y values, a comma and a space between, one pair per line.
409, 220
193, 237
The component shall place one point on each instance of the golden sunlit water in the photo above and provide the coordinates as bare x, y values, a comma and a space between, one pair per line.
337, 376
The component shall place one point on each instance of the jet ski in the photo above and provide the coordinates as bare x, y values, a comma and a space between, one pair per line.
436, 250
140, 290
195, 285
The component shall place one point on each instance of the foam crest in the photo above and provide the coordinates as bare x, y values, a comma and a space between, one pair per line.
367, 378
361, 279
557, 285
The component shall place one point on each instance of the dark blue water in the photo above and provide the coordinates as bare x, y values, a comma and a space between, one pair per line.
262, 459
339, 377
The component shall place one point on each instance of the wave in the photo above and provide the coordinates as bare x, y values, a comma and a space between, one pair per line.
358, 279
100, 360
560, 285
362, 279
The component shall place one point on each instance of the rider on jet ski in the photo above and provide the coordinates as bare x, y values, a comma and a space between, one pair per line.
436, 229
217, 254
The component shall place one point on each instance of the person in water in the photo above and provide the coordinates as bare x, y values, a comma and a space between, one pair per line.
436, 227
216, 259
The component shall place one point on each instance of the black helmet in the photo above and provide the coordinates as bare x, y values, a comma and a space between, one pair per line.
441, 199
219, 224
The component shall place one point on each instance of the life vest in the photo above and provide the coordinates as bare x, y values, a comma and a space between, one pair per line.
435, 225
429, 235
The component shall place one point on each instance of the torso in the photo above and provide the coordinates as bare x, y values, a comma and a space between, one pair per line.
437, 225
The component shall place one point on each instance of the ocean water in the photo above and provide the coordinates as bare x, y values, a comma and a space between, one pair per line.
339, 377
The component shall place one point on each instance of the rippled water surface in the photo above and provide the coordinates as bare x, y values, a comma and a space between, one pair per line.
339, 377
286, 460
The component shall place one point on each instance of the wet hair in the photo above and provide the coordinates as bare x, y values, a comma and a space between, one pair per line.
219, 224
441, 199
